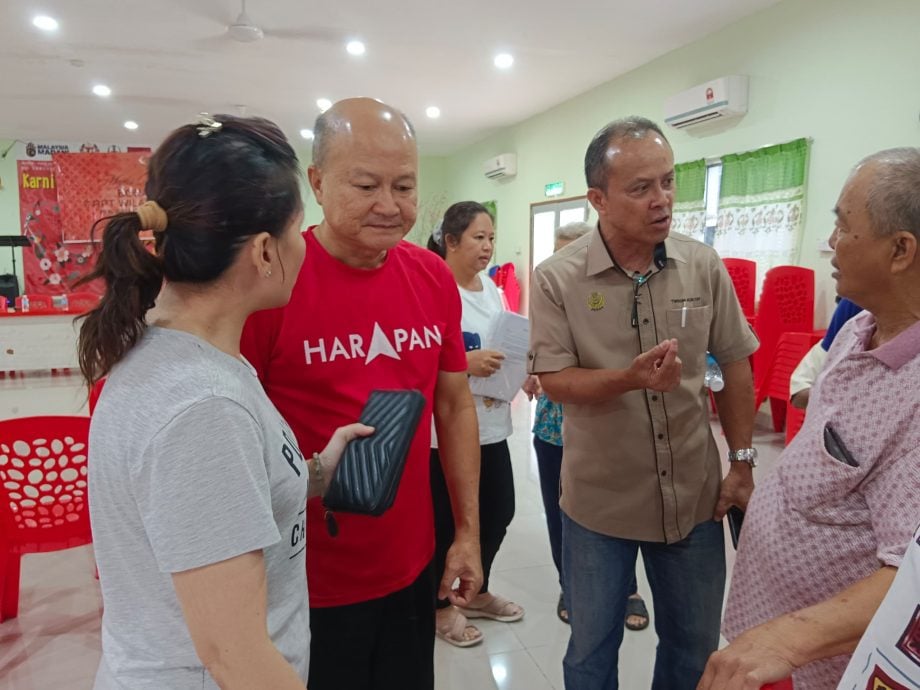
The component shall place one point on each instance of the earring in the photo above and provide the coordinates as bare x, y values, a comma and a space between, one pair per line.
268, 273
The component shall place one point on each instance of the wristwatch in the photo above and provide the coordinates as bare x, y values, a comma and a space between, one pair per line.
748, 455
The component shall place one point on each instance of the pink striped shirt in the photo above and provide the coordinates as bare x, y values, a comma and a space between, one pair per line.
816, 525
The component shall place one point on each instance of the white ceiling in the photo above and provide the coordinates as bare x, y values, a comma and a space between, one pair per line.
166, 60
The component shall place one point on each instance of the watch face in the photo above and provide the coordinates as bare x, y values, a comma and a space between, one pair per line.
744, 455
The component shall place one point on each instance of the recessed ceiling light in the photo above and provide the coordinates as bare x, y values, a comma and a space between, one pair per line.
433, 112
102, 90
355, 48
306, 133
45, 23
323, 104
131, 124
504, 60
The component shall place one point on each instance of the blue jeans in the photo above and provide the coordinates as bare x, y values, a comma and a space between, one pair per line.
687, 581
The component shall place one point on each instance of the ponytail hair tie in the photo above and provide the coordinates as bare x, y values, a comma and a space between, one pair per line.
152, 216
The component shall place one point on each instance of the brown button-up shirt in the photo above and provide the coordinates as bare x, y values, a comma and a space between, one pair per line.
643, 465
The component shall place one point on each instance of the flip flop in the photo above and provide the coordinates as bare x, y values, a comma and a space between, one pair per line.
494, 610
636, 607
453, 634
562, 612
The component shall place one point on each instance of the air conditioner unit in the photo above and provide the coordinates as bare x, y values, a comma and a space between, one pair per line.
497, 167
719, 99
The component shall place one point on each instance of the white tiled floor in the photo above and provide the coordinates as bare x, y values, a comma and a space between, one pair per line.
55, 641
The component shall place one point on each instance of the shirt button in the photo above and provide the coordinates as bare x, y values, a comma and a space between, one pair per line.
654, 398
645, 321
660, 437
664, 473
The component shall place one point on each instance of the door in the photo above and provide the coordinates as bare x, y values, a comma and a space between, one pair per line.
545, 217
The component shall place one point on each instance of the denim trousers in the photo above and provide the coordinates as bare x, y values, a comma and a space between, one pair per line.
687, 580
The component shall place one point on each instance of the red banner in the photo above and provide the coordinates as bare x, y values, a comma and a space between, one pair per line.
95, 185
49, 267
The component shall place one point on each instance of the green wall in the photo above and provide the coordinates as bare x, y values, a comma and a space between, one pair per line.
843, 72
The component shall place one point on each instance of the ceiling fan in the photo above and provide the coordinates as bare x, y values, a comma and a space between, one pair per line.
243, 29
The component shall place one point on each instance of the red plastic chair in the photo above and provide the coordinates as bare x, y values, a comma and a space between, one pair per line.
744, 277
789, 351
43, 500
38, 304
81, 302
787, 303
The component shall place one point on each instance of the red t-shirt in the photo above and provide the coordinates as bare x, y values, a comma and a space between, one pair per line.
346, 332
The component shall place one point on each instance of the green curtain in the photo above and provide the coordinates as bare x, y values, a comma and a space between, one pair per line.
690, 182
766, 170
690, 198
762, 205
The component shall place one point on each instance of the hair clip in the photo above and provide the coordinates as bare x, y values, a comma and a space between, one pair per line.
207, 125
438, 234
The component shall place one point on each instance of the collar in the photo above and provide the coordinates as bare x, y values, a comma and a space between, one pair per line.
600, 258
896, 352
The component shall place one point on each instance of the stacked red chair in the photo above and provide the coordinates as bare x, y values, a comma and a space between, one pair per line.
43, 494
789, 351
744, 277
787, 304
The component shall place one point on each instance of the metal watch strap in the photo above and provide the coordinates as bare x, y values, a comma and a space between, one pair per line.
747, 455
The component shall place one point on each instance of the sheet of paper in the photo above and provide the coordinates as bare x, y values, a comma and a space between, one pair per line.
509, 333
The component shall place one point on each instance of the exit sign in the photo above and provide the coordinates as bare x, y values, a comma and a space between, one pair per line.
553, 189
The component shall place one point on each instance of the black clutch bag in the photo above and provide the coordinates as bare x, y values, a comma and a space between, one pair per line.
367, 477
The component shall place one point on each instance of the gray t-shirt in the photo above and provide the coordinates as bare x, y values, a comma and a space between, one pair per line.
189, 464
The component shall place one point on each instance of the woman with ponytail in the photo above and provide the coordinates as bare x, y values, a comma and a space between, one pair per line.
197, 488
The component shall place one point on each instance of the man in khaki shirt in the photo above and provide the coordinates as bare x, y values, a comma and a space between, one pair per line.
621, 321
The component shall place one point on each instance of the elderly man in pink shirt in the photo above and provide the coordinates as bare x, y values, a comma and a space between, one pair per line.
826, 531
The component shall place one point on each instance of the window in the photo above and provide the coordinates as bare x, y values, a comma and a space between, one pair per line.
713, 188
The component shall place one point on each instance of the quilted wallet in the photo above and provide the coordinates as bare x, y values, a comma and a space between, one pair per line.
367, 477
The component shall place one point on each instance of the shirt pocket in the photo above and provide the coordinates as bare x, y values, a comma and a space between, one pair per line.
690, 326
825, 490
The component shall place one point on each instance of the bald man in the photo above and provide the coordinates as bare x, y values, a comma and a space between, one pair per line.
371, 311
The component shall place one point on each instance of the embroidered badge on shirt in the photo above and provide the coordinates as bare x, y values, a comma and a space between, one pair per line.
596, 301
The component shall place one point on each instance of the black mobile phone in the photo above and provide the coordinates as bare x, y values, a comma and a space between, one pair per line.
834, 445
735, 518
